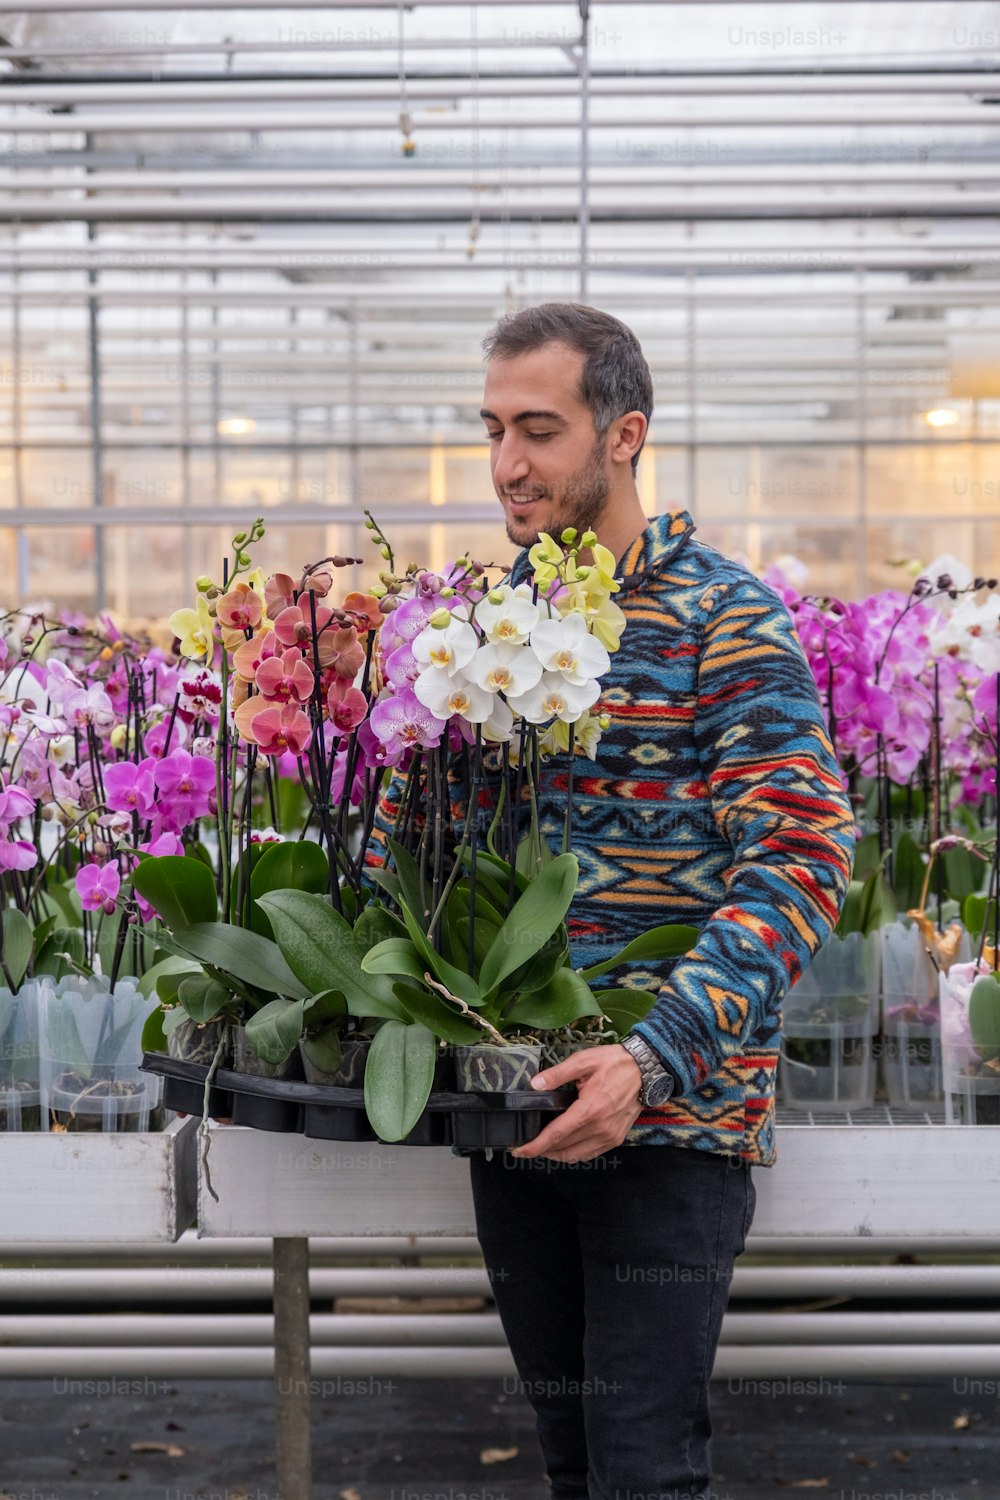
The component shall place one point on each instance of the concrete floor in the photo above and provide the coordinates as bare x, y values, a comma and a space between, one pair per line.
423, 1440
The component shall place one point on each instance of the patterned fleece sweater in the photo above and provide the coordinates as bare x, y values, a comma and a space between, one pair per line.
714, 800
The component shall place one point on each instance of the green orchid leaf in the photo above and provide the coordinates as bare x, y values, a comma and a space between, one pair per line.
978, 913
410, 884
172, 1018
438, 1015
319, 947
566, 998
322, 1048
536, 973
202, 998
396, 956
164, 967
180, 889
984, 1016
535, 916
500, 869
963, 872
878, 904
250, 958
375, 924
273, 1031
301, 866
62, 953
399, 1075
671, 940
908, 870
329, 1005
624, 1007
154, 1036
17, 940
455, 980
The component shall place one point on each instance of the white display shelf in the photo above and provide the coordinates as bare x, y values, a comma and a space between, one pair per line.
63, 1188
851, 1179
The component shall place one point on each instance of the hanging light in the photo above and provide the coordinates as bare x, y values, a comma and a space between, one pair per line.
942, 416
235, 426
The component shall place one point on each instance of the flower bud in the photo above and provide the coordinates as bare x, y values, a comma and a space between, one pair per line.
588, 539
243, 558
440, 619
239, 539
568, 535
447, 592
203, 584
119, 737
384, 551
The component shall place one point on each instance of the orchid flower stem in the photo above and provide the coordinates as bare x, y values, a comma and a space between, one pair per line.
472, 811
568, 818
996, 845
440, 808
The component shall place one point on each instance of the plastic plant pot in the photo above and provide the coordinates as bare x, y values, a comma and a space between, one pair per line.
828, 1065
333, 1122
351, 1073
20, 1106
79, 1105
485, 1068
911, 1063
198, 1044
971, 1080
246, 1060
971, 1098
279, 1116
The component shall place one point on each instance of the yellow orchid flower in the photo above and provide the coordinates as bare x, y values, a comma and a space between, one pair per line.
194, 627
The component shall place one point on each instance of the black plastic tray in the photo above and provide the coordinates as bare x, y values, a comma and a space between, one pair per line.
184, 1086
325, 1112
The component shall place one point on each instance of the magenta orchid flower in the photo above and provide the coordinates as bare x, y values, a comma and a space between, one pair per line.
98, 887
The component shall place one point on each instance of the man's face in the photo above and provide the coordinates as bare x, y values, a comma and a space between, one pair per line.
549, 468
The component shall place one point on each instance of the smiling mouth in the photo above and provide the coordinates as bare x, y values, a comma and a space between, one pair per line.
522, 502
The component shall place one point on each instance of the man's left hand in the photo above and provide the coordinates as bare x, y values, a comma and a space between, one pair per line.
608, 1081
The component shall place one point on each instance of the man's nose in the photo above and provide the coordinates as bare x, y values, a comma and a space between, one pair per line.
510, 464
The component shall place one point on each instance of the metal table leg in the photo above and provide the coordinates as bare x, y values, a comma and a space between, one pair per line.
292, 1428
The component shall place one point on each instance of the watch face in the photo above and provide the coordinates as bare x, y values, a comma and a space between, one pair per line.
659, 1092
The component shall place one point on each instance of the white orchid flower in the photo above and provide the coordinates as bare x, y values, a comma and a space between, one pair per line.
450, 650
446, 695
507, 616
553, 697
500, 724
566, 646
505, 669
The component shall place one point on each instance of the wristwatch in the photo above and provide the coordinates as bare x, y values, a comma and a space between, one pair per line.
657, 1084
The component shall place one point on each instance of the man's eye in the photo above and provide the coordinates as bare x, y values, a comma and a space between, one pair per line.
540, 437
494, 437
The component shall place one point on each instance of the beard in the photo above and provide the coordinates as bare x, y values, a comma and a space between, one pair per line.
582, 504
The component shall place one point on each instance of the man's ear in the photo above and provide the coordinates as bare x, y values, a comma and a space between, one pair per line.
626, 436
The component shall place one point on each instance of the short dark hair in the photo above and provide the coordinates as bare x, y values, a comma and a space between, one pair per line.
615, 377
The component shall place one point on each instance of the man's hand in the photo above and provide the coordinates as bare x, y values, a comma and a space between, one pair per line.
608, 1081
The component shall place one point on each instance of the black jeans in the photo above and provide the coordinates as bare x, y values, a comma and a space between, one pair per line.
611, 1278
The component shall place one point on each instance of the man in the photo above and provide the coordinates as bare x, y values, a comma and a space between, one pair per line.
715, 800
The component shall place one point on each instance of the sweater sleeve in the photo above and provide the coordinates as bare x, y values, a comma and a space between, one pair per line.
777, 799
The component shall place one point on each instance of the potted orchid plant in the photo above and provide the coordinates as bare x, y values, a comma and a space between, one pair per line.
398, 931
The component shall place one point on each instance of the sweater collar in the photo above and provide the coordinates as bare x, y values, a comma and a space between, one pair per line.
664, 537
